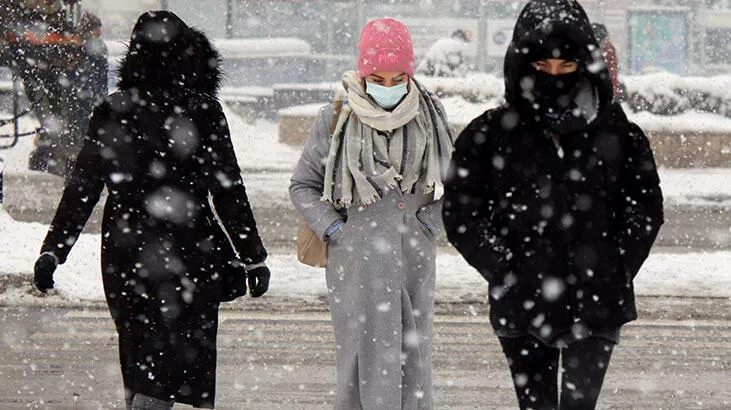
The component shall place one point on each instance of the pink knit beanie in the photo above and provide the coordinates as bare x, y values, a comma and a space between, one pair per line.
385, 45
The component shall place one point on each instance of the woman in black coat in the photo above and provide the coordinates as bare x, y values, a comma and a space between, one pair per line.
554, 198
161, 146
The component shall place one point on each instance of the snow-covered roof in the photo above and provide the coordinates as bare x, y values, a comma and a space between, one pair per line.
328, 86
241, 47
306, 110
719, 85
688, 122
659, 9
262, 47
253, 91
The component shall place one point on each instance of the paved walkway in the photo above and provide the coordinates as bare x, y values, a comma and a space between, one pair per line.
66, 359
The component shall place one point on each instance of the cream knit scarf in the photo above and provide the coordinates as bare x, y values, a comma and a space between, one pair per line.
373, 150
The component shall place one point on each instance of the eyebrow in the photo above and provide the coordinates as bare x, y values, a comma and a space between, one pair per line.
378, 77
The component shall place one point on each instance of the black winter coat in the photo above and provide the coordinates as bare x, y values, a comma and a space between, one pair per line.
161, 147
558, 225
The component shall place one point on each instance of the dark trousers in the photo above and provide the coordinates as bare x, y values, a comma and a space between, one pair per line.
535, 368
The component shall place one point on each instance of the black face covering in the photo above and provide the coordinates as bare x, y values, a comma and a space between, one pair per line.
554, 94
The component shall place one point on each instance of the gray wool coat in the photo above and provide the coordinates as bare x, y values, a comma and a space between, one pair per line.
380, 277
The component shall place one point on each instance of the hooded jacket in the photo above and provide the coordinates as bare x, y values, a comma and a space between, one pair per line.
161, 147
559, 223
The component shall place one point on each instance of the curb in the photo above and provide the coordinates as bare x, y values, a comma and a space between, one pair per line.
672, 308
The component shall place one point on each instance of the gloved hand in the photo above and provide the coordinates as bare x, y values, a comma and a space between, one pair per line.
43, 272
258, 280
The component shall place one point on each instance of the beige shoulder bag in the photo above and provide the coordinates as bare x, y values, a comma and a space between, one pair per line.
310, 249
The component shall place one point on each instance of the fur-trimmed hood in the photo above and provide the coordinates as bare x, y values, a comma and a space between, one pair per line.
165, 52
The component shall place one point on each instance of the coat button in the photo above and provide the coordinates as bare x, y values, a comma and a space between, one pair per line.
401, 206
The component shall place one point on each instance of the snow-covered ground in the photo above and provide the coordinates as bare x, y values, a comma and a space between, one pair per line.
256, 145
257, 148
460, 112
79, 280
267, 162
266, 165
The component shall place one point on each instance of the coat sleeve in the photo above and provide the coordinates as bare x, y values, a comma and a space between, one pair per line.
469, 200
228, 194
640, 212
306, 184
80, 195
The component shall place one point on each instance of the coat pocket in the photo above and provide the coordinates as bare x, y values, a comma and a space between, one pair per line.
425, 229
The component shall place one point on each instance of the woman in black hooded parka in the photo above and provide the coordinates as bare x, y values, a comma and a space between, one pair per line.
554, 198
161, 146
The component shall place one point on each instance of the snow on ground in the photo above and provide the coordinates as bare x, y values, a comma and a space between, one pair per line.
257, 147
717, 86
479, 86
255, 144
266, 161
689, 122
461, 112
79, 281
267, 165
699, 274
304, 110
681, 187
696, 186
16, 158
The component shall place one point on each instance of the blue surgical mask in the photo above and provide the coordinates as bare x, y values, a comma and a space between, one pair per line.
386, 97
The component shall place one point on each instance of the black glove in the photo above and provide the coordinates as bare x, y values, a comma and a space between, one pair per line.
258, 280
43, 272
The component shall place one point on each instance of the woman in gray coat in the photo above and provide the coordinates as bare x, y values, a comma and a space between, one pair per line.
369, 191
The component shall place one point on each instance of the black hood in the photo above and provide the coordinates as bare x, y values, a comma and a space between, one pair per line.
539, 21
165, 52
